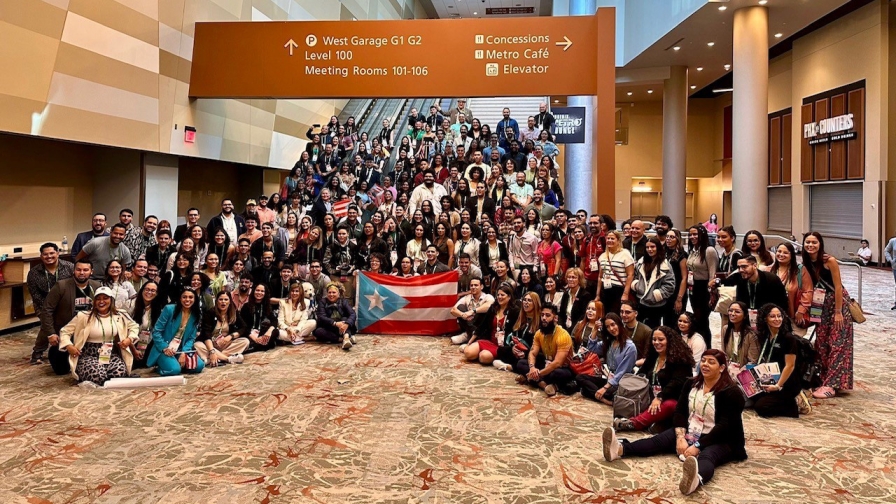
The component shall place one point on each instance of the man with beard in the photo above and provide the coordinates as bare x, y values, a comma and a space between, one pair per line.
101, 251
432, 265
545, 120
545, 365
593, 246
266, 244
429, 190
140, 239
493, 147
662, 226
41, 280
561, 224
521, 192
519, 159
68, 297
545, 212
266, 272
531, 131
98, 230
317, 278
241, 296
232, 224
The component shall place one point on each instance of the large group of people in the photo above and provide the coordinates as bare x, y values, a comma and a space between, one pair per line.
569, 302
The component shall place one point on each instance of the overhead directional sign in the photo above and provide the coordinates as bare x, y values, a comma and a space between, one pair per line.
411, 58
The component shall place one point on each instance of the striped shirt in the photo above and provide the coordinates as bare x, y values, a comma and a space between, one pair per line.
612, 267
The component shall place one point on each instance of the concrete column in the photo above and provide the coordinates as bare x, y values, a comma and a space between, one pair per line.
749, 177
581, 159
675, 143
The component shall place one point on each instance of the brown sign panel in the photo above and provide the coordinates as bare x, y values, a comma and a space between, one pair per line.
402, 59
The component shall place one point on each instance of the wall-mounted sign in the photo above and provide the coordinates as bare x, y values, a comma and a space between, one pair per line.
569, 124
503, 11
831, 129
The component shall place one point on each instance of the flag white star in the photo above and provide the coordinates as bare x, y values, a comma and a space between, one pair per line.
376, 301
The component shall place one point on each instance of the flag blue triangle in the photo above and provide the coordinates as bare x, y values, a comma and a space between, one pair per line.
376, 301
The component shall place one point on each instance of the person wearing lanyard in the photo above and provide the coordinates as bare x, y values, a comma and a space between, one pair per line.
708, 426
41, 279
98, 341
738, 339
668, 365
259, 314
778, 345
617, 352
173, 337
639, 333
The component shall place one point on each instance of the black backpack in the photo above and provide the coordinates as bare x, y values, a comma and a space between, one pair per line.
807, 368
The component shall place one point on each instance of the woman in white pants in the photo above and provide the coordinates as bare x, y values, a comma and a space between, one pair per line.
295, 321
222, 339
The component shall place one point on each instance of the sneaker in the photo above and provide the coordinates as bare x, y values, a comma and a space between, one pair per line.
351, 337
346, 343
460, 339
611, 445
37, 358
501, 365
87, 384
462, 348
802, 402
690, 477
236, 359
550, 390
522, 380
623, 424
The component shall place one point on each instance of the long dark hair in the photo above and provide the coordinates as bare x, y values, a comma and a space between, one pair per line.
265, 303
230, 314
725, 380
702, 241
815, 266
677, 351
194, 310
763, 332
744, 326
764, 255
609, 338
692, 329
156, 305
792, 267
657, 260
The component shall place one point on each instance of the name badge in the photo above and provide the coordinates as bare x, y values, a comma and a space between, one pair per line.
690, 278
105, 353
174, 345
593, 265
754, 317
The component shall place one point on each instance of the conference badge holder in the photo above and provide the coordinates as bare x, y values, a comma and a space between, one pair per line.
106, 353
754, 317
143, 339
815, 310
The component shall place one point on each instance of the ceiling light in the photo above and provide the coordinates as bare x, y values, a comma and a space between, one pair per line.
676, 48
629, 93
649, 91
727, 67
556, 101
763, 2
723, 8
699, 69
723, 90
693, 87
710, 44
475, 13
779, 35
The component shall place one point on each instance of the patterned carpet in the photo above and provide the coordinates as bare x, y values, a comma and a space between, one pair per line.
403, 420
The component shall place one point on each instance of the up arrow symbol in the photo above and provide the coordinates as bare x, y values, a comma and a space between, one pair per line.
291, 44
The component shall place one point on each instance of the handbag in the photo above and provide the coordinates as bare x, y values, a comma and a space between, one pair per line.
727, 295
585, 363
855, 309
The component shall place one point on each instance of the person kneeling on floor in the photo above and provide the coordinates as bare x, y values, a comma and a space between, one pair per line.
174, 335
546, 364
708, 431
335, 318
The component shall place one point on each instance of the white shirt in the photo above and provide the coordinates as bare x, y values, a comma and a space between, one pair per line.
422, 193
230, 227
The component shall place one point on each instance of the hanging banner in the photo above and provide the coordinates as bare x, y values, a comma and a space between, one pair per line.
569, 125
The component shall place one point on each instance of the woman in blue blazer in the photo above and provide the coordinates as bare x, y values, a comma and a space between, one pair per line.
173, 337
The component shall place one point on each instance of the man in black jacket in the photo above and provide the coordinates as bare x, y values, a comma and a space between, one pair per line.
65, 299
232, 224
756, 288
432, 265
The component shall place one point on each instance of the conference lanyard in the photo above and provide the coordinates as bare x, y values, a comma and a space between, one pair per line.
770, 350
751, 289
654, 380
708, 398
55, 277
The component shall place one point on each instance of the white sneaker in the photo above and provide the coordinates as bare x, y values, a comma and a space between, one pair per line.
346, 343
87, 384
351, 337
503, 366
690, 477
460, 339
236, 359
611, 445
462, 348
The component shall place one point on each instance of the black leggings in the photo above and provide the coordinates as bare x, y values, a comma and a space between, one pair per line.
612, 299
559, 376
591, 384
709, 458
700, 305
777, 404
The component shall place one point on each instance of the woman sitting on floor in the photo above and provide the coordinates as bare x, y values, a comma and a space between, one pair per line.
174, 335
335, 318
738, 339
589, 328
222, 338
525, 326
295, 319
147, 309
669, 364
492, 348
258, 315
617, 352
708, 431
98, 341
695, 341
777, 344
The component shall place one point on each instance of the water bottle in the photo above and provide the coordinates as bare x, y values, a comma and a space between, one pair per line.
65, 244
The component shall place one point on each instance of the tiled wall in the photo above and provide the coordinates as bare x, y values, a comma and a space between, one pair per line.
117, 72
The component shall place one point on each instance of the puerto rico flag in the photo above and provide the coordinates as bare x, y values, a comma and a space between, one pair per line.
340, 208
419, 306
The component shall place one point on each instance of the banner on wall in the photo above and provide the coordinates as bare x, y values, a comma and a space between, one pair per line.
569, 125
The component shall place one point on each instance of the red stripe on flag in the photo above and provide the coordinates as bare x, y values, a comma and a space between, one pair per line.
423, 328
431, 301
449, 277
340, 208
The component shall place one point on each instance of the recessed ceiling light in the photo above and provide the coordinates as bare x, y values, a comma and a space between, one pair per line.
693, 87
699, 69
723, 8
727, 67
779, 35
629, 93
710, 44
649, 91
676, 48
763, 2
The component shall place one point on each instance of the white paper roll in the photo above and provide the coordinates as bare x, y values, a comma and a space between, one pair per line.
155, 381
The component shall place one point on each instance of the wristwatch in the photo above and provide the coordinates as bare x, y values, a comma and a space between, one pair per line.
697, 444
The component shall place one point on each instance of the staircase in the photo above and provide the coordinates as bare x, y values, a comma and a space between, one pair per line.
488, 110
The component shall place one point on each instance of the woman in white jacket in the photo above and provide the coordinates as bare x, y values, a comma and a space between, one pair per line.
294, 319
654, 284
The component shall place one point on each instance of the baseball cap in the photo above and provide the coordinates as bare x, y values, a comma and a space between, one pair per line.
104, 291
252, 202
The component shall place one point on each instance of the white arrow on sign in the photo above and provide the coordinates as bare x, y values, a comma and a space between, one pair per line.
291, 44
566, 42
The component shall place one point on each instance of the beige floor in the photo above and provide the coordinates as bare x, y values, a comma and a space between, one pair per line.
403, 420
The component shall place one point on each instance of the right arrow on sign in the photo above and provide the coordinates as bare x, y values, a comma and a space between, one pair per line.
566, 43
291, 44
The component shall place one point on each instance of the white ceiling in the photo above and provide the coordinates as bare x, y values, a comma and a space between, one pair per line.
476, 8
709, 24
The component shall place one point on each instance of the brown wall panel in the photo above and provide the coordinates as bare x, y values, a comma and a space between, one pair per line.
807, 153
855, 148
822, 155
774, 151
727, 142
786, 148
838, 149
